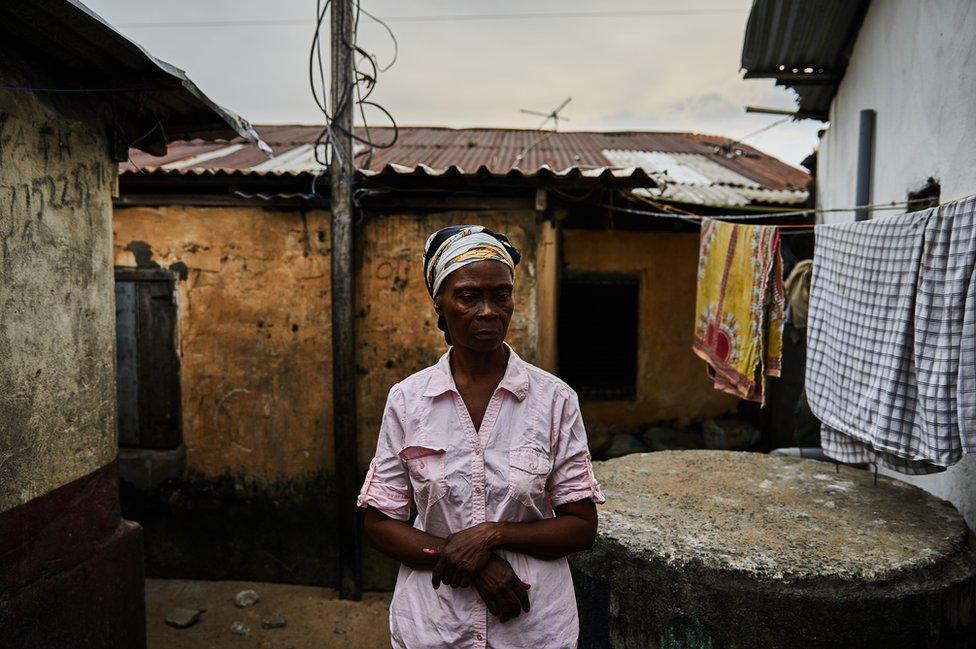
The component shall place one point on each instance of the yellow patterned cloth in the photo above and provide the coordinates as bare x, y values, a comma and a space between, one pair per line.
739, 310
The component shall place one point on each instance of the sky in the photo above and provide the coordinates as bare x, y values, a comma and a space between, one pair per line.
673, 70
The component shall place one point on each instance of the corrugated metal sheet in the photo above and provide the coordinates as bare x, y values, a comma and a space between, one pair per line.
674, 158
803, 44
695, 179
715, 172
715, 195
657, 162
71, 45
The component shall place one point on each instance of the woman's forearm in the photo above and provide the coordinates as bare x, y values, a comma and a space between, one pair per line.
572, 530
400, 541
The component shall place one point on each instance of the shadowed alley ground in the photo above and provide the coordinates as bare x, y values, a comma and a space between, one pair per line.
316, 618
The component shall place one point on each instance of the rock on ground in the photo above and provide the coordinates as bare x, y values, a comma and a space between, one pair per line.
274, 621
316, 616
246, 598
624, 444
183, 618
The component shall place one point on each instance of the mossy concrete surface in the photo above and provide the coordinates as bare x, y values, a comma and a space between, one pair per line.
724, 549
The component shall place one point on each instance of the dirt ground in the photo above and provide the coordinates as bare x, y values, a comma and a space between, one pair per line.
316, 618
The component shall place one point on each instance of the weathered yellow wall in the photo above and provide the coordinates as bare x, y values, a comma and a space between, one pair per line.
255, 334
57, 316
397, 333
547, 295
255, 325
671, 380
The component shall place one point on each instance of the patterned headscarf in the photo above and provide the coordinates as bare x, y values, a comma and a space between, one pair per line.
456, 246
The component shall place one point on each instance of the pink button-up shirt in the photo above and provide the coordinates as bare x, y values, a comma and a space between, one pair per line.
529, 456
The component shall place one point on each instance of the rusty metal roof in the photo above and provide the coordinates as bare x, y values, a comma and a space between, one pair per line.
683, 167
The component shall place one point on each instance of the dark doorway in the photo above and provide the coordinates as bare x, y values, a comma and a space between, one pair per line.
598, 320
147, 360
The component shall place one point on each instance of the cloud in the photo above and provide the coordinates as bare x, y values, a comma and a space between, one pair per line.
706, 106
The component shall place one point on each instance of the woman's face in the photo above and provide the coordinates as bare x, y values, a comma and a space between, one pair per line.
476, 301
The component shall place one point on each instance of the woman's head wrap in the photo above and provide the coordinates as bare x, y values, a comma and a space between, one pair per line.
456, 246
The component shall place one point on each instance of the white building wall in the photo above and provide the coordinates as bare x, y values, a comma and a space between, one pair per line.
914, 63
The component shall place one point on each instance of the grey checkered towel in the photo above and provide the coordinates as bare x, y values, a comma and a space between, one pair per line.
891, 357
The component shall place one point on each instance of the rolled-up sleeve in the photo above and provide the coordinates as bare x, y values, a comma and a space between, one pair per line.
572, 477
387, 484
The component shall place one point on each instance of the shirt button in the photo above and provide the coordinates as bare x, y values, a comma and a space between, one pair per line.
422, 464
532, 466
480, 637
477, 490
477, 451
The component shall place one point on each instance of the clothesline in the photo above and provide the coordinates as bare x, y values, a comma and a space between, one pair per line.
750, 217
697, 220
771, 215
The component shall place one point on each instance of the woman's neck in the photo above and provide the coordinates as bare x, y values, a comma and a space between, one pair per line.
473, 366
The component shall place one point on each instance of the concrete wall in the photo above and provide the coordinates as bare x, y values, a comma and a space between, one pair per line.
57, 322
671, 380
255, 342
915, 64
255, 330
66, 556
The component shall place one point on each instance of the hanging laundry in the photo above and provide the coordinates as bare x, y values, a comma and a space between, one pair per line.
891, 360
740, 306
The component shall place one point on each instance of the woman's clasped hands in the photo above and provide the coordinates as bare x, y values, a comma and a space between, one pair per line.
467, 558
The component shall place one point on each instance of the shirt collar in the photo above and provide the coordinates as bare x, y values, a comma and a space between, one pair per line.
515, 380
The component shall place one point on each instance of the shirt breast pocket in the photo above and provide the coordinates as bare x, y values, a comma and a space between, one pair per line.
528, 470
427, 475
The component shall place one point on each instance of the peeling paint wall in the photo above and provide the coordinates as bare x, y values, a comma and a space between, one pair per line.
57, 326
255, 330
671, 380
255, 333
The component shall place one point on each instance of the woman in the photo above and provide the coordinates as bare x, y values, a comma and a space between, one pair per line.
492, 453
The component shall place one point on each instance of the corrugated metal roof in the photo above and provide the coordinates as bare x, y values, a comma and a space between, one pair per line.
671, 159
803, 44
696, 179
65, 41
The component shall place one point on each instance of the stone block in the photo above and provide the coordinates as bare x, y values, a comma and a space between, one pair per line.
745, 550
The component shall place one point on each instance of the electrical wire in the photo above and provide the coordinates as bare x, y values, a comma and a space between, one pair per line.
442, 18
768, 215
761, 130
697, 219
363, 85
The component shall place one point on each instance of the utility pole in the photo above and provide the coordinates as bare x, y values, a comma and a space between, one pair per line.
343, 330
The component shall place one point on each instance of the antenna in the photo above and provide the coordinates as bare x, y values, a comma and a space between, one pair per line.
551, 115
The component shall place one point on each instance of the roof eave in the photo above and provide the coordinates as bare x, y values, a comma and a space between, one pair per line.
804, 45
81, 47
